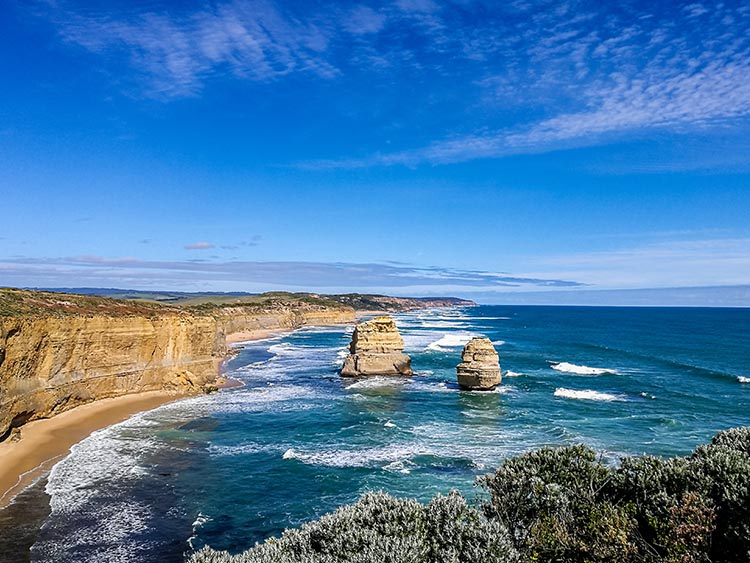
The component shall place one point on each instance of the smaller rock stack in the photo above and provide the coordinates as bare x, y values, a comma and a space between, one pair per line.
376, 349
480, 368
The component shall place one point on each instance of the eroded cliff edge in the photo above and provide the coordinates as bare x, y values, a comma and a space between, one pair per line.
58, 351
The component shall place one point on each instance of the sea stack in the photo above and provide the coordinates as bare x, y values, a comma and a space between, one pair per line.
480, 368
376, 349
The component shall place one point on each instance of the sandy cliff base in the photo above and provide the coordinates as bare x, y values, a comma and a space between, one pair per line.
44, 442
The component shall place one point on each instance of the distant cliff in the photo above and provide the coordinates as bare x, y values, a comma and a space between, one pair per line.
358, 301
58, 351
363, 302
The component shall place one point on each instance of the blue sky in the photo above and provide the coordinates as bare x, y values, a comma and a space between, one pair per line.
410, 147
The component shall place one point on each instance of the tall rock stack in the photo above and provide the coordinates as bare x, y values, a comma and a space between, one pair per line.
480, 368
376, 349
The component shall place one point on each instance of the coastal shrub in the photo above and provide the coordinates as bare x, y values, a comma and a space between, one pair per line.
737, 439
553, 505
382, 529
722, 475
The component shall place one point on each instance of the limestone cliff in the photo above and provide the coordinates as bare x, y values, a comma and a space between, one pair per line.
58, 351
376, 349
480, 368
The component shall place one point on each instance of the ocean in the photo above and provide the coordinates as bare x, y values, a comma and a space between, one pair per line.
296, 441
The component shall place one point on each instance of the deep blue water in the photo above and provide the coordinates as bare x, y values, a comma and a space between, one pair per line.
297, 441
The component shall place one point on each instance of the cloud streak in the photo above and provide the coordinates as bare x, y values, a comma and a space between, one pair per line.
584, 72
98, 270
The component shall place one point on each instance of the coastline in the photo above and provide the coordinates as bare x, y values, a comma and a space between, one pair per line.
45, 442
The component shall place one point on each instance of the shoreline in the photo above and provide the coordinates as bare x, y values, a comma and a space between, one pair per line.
45, 442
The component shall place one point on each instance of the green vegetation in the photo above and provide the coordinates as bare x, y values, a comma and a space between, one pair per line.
553, 505
118, 302
22, 302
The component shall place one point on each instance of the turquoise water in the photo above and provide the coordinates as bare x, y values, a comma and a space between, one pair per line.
297, 441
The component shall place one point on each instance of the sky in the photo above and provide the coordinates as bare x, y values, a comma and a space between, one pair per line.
413, 147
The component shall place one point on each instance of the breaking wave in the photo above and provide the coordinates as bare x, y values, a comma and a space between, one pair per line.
588, 395
581, 370
450, 341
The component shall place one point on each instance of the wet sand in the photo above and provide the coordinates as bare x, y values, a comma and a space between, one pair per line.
45, 442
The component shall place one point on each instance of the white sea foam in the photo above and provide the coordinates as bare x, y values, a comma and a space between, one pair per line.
382, 456
248, 448
197, 525
581, 370
452, 340
588, 395
373, 382
510, 373
743, 379
389, 424
399, 467
443, 324
498, 342
415, 340
279, 397
431, 387
100, 457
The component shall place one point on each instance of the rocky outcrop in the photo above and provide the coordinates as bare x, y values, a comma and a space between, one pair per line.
58, 351
376, 349
480, 368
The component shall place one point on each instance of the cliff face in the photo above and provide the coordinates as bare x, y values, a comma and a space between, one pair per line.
50, 365
60, 351
234, 319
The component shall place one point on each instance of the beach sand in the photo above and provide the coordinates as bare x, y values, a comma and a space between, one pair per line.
45, 442
256, 334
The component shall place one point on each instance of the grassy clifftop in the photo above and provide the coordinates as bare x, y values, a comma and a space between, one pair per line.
133, 302
33, 303
23, 302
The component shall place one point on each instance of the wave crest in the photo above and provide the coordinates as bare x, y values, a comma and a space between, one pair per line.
588, 395
566, 367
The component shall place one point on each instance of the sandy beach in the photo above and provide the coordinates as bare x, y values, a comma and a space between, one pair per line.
44, 442
256, 334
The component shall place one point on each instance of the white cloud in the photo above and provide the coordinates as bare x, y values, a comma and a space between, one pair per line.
199, 246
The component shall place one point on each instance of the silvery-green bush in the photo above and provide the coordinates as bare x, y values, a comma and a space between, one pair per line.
553, 505
382, 529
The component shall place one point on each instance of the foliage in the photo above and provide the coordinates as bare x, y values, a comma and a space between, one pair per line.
382, 529
553, 505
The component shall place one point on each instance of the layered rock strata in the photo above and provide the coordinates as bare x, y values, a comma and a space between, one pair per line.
480, 366
376, 349
58, 351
